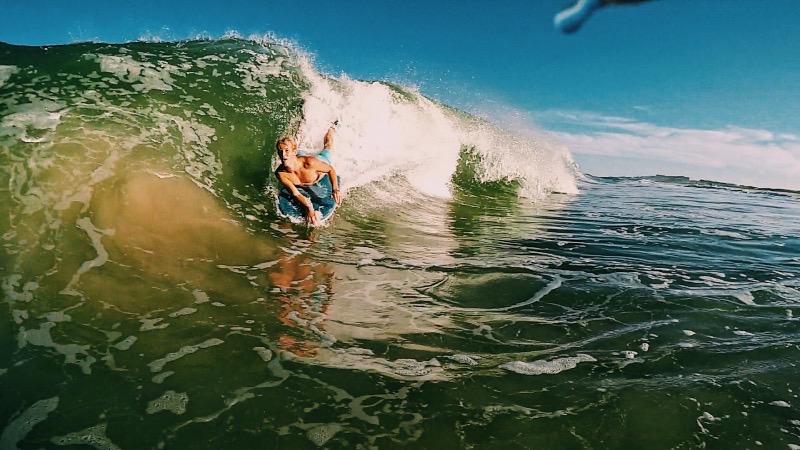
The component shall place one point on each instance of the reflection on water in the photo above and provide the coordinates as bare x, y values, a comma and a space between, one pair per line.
162, 220
494, 324
305, 290
168, 230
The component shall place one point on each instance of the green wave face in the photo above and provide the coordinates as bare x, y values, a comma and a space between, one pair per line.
202, 108
212, 110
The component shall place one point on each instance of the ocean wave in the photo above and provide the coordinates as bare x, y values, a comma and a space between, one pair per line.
213, 108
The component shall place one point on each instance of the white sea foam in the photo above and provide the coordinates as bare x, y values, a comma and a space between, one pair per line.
724, 233
550, 287
152, 324
33, 121
145, 76
746, 297
470, 360
711, 281
126, 343
6, 72
192, 131
544, 367
321, 434
174, 402
19, 315
18, 428
94, 437
41, 337
200, 296
199, 161
264, 353
95, 235
158, 379
363, 359
258, 72
385, 131
183, 312
10, 286
158, 365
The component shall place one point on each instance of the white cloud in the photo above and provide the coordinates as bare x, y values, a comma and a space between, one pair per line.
733, 154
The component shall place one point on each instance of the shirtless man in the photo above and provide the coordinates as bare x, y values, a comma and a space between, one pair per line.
305, 171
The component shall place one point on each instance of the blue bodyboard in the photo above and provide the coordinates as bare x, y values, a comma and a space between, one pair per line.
320, 194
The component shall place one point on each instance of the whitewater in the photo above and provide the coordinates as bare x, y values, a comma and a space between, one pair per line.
474, 290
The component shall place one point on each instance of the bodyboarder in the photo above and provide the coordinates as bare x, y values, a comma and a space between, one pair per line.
297, 170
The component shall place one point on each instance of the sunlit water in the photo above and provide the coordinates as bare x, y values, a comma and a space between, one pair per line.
485, 297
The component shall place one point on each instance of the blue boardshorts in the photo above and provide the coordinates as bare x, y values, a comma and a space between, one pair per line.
324, 155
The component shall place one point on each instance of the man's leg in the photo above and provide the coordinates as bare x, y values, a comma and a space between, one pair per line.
328, 141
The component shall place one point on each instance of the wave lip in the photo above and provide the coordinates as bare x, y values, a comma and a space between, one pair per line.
388, 130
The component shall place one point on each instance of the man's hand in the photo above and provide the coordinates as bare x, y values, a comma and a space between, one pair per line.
311, 217
337, 197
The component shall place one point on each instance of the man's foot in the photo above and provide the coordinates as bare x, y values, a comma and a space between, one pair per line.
570, 19
328, 140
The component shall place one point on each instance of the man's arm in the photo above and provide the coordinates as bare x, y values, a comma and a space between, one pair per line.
335, 186
323, 167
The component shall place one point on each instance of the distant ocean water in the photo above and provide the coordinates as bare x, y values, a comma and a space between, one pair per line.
475, 290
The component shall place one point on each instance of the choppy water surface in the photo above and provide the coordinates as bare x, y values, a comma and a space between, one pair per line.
153, 299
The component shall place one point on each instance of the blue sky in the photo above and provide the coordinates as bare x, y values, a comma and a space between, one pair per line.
628, 93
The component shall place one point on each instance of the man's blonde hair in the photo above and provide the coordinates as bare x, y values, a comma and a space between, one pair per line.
288, 139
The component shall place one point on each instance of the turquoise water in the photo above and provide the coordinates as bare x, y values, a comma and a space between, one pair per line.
482, 295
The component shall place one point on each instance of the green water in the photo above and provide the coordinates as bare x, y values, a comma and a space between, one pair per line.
152, 297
